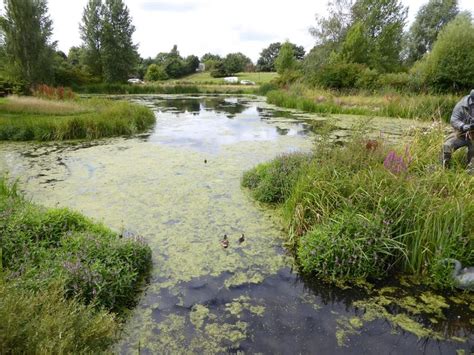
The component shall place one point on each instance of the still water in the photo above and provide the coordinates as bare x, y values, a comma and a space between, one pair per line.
179, 187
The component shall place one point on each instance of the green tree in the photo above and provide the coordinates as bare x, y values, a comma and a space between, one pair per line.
429, 21
382, 23
331, 30
27, 29
236, 62
266, 61
450, 64
155, 73
286, 60
118, 52
91, 35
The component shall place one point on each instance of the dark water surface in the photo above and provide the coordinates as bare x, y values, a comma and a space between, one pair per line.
179, 186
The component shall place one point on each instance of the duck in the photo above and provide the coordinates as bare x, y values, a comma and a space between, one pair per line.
463, 278
225, 242
242, 238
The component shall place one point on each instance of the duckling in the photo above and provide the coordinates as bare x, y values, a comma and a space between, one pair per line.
464, 279
242, 238
225, 242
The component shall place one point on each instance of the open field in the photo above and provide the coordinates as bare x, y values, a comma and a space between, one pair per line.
206, 78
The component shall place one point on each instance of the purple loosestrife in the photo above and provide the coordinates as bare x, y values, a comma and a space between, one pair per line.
397, 164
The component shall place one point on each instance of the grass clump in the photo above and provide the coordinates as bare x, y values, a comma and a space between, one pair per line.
421, 106
272, 182
366, 210
24, 119
68, 278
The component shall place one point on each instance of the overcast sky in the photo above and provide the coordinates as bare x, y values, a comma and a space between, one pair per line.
216, 26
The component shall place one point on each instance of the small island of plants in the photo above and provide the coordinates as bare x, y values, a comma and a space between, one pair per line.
55, 114
367, 211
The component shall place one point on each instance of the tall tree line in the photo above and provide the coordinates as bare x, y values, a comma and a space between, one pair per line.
106, 32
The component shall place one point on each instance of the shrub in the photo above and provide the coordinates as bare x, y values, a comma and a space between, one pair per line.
450, 64
340, 75
350, 246
273, 182
397, 81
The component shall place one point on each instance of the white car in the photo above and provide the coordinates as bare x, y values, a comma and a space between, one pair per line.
247, 82
134, 81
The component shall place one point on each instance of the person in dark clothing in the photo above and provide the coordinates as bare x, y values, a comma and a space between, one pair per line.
462, 121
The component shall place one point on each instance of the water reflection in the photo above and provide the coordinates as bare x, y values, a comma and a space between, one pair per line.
208, 124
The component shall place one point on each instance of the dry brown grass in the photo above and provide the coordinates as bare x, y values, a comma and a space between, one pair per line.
34, 105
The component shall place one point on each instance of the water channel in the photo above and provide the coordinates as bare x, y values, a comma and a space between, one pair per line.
179, 187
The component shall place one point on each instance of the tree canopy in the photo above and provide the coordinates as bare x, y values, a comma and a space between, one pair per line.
28, 50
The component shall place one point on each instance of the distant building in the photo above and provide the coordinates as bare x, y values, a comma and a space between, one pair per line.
201, 67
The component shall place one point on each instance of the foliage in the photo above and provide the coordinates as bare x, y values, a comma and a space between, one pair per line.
272, 182
91, 35
48, 92
450, 65
27, 29
266, 61
430, 20
349, 245
425, 107
30, 322
339, 75
236, 62
62, 275
45, 120
379, 26
118, 53
350, 216
155, 73
286, 59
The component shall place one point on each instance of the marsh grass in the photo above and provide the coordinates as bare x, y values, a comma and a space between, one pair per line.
23, 119
419, 106
65, 281
354, 212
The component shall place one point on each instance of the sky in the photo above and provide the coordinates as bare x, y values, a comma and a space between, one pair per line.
216, 26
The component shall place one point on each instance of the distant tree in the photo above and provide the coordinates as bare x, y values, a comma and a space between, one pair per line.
118, 52
450, 64
286, 60
266, 61
210, 60
155, 73
192, 63
429, 21
381, 22
142, 66
76, 56
219, 70
331, 31
91, 35
29, 53
236, 62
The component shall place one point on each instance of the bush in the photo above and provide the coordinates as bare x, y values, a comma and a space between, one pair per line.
155, 73
396, 81
450, 64
349, 246
60, 277
273, 182
340, 75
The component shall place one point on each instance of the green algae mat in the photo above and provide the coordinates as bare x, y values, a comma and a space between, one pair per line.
178, 186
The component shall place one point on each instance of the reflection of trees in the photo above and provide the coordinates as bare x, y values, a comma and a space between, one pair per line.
222, 106
182, 105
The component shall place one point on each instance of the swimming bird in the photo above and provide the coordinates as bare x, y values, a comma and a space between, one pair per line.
205, 161
225, 242
242, 238
463, 278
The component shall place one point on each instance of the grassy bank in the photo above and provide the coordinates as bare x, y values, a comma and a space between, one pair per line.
205, 78
64, 280
165, 88
420, 106
366, 211
30, 118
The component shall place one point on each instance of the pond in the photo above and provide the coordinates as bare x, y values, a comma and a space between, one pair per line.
179, 187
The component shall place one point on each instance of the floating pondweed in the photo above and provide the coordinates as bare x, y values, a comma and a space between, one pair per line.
203, 298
